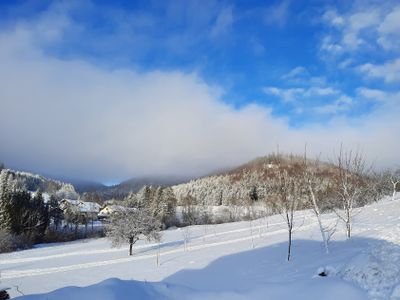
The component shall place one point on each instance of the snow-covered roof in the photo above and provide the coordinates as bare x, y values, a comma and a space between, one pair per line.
70, 201
110, 209
83, 206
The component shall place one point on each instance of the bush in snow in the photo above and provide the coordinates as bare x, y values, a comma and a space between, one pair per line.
10, 242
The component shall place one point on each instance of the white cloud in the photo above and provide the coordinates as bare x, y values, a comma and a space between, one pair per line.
77, 119
389, 71
287, 95
350, 28
353, 25
362, 20
373, 94
330, 46
332, 17
389, 30
257, 47
364, 26
223, 22
296, 95
296, 72
300, 75
345, 63
321, 91
307, 93
343, 103
391, 23
277, 14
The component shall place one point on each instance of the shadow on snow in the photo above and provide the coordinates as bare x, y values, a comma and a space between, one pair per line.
263, 273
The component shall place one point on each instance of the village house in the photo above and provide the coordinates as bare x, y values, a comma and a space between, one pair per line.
89, 210
108, 210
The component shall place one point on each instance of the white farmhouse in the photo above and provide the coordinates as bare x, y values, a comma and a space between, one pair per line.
109, 210
88, 209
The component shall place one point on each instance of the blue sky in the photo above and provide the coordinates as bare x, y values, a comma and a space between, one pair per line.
310, 65
244, 47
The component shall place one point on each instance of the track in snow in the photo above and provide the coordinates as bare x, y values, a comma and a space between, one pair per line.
9, 274
112, 250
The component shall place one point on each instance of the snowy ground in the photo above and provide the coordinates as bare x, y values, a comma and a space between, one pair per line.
221, 263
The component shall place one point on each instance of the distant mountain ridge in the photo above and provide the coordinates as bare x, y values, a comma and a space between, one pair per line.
82, 186
121, 190
32, 182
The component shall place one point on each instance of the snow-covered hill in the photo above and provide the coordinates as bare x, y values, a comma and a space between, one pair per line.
32, 182
247, 183
242, 260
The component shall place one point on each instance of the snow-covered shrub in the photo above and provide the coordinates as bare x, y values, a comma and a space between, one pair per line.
6, 242
10, 242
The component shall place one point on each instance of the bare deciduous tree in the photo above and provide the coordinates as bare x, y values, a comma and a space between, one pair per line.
186, 237
316, 188
288, 193
395, 181
128, 226
158, 252
352, 186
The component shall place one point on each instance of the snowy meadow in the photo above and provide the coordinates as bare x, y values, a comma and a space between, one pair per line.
227, 261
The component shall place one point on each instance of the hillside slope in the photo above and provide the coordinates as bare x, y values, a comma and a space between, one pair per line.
32, 182
247, 183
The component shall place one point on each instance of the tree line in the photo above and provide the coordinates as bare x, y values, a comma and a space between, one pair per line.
25, 217
281, 183
289, 183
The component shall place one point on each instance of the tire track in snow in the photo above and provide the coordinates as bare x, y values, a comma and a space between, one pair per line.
36, 272
113, 250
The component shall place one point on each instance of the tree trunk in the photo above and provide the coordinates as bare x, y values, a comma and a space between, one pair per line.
348, 219
348, 229
158, 255
251, 232
130, 246
318, 215
289, 244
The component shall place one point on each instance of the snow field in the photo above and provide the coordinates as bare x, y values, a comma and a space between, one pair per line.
222, 263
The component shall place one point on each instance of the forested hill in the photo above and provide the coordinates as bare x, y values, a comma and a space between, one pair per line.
33, 182
250, 182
